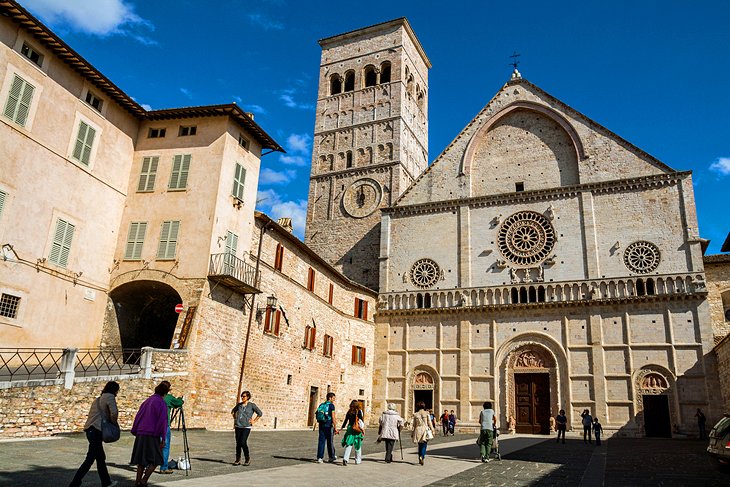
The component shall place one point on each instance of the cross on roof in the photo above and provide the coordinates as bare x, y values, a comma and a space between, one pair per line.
515, 59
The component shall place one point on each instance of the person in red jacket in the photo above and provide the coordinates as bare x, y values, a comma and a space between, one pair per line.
150, 429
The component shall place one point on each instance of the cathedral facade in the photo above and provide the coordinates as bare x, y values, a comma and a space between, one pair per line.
541, 261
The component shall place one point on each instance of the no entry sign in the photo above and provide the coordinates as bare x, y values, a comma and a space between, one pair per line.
178, 308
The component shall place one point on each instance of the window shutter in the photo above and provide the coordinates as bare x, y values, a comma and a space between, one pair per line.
24, 106
277, 322
80, 139
164, 235
61, 246
354, 354
14, 97
364, 310
172, 242
331, 293
135, 240
354, 313
363, 356
175, 175
312, 338
267, 320
168, 240
20, 96
184, 169
88, 144
231, 243
238, 181
149, 173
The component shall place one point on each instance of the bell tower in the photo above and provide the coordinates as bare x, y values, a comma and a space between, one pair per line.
370, 141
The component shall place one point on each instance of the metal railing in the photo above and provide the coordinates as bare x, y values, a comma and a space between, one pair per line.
30, 363
23, 364
92, 362
228, 265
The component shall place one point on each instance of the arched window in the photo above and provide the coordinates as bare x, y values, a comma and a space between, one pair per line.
385, 72
349, 81
349, 158
409, 84
420, 98
335, 84
370, 76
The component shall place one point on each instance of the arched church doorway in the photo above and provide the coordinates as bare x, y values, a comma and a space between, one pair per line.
531, 372
423, 388
654, 396
146, 313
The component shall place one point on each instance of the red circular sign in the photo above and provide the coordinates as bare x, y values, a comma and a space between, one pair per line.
178, 308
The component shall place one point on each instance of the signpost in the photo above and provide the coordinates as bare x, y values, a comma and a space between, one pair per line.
178, 308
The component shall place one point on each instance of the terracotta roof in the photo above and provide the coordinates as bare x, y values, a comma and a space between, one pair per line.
716, 258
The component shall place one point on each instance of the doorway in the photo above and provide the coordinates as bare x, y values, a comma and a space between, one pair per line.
656, 416
313, 400
425, 395
532, 401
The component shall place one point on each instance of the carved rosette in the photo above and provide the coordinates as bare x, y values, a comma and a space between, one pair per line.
526, 238
642, 257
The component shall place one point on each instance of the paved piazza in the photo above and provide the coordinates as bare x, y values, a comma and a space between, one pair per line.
286, 457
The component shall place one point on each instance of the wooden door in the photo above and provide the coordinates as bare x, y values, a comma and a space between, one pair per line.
313, 404
532, 401
656, 416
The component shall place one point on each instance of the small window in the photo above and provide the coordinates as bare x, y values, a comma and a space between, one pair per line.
358, 355
148, 174
279, 258
310, 279
272, 321
519, 187
186, 131
168, 240
238, 181
20, 97
61, 246
309, 334
350, 81
135, 240
9, 305
180, 170
288, 379
349, 158
328, 346
331, 293
370, 76
84, 143
335, 84
243, 142
93, 100
156, 133
385, 72
361, 392
32, 54
361, 309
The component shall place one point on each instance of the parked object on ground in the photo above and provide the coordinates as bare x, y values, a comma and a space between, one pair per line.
719, 445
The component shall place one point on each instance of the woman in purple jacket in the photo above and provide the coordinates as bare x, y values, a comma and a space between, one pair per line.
149, 429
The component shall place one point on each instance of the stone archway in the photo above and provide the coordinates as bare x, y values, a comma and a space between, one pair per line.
422, 384
655, 401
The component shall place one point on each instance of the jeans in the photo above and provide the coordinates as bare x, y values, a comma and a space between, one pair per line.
561, 432
445, 427
422, 449
95, 454
166, 449
325, 436
598, 438
389, 444
587, 434
358, 454
242, 442
485, 442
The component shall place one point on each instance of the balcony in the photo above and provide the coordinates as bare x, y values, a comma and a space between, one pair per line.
228, 270
549, 293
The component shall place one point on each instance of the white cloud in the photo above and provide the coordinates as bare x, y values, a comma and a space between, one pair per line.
271, 203
257, 109
186, 92
265, 22
299, 143
721, 166
292, 103
292, 160
146, 106
97, 17
269, 176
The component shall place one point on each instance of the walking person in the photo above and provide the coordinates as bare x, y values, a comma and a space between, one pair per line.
587, 425
243, 421
422, 431
452, 422
488, 423
597, 430
561, 424
354, 431
172, 403
701, 421
445, 422
104, 406
325, 416
390, 425
150, 429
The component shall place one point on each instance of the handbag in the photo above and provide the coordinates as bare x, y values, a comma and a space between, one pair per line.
429, 434
110, 432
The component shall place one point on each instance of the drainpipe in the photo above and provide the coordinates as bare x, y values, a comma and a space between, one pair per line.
250, 314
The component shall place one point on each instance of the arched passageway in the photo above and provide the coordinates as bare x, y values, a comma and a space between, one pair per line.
146, 313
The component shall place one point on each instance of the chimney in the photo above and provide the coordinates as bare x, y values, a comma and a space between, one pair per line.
250, 115
285, 223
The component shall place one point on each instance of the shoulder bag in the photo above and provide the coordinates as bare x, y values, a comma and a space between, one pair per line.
110, 432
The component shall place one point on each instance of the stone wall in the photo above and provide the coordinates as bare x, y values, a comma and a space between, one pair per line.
722, 351
717, 270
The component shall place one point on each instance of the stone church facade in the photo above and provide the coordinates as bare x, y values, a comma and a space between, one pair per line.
541, 261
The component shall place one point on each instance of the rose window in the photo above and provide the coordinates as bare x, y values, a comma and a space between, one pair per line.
526, 238
642, 257
425, 273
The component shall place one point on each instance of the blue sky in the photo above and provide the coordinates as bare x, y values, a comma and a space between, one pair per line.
654, 72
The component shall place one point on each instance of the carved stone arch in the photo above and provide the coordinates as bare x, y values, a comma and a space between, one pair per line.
653, 380
418, 372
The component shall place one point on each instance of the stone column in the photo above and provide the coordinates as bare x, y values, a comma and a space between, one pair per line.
68, 362
465, 369
145, 362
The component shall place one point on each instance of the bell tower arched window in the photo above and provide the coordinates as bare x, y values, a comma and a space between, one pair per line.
385, 72
370, 76
349, 81
335, 84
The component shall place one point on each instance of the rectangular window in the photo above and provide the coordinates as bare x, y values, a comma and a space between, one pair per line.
238, 181
3, 197
135, 240
185, 131
168, 240
156, 133
309, 334
20, 97
148, 175
180, 169
328, 346
519, 187
9, 305
331, 293
84, 143
32, 54
243, 142
310, 279
93, 100
272, 321
361, 309
279, 259
358, 355
61, 246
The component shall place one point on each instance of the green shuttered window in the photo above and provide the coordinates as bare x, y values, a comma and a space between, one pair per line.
84, 143
168, 240
231, 243
238, 181
61, 247
180, 169
20, 97
135, 240
148, 175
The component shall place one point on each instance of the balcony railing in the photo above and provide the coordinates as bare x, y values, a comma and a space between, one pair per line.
546, 292
230, 271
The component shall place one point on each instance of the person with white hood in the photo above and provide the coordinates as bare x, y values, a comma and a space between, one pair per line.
390, 426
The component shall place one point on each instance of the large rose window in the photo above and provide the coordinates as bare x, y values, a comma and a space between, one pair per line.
642, 257
526, 238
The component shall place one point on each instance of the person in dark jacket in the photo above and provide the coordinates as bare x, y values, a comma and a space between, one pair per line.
243, 421
104, 406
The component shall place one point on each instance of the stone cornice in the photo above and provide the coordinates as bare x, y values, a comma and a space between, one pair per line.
360, 171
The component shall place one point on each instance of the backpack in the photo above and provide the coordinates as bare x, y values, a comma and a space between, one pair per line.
323, 412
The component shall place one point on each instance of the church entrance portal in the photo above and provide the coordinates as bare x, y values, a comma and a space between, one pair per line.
532, 400
424, 395
146, 313
656, 416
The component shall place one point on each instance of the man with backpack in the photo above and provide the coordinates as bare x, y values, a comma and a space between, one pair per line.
325, 416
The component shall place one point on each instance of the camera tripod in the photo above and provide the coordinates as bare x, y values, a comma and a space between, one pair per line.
179, 415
